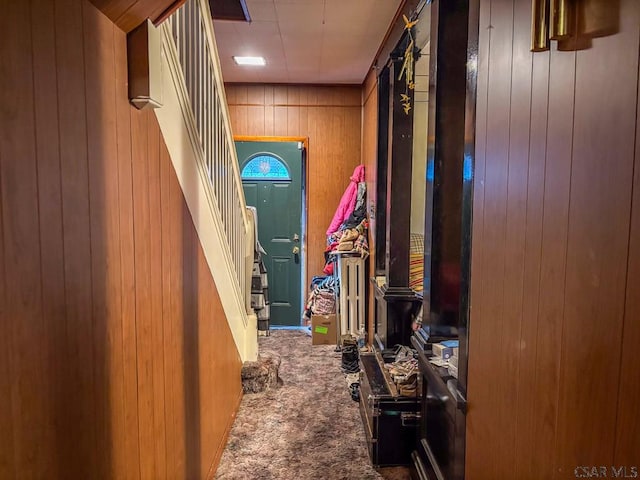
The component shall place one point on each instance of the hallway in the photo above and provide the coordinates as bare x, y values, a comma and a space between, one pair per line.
308, 428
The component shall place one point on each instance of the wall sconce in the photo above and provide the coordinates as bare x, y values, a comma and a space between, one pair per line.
539, 25
573, 23
550, 21
560, 15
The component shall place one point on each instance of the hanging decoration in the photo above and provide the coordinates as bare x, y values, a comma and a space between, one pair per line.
407, 66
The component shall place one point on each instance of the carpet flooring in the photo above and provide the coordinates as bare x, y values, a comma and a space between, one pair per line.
307, 428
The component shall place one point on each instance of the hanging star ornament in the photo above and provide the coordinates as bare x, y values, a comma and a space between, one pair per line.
407, 65
407, 23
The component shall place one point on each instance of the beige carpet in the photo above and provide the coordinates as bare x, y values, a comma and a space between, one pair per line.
307, 428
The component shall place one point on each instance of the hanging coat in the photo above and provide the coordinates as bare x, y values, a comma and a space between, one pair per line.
348, 200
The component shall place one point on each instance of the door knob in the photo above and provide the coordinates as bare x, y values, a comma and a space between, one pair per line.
296, 250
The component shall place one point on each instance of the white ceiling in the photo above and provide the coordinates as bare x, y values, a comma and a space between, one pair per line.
305, 41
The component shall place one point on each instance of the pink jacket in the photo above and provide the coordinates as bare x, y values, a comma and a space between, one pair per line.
348, 200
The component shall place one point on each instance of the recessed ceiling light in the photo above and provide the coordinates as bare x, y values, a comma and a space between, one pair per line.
259, 61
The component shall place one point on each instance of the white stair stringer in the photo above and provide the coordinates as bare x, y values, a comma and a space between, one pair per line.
180, 135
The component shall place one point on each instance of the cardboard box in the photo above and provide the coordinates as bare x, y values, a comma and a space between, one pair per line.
324, 330
440, 351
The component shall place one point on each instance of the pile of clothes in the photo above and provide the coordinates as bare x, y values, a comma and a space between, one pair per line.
322, 298
404, 371
347, 233
348, 229
259, 280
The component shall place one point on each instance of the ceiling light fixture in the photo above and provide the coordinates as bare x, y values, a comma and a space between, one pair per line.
255, 61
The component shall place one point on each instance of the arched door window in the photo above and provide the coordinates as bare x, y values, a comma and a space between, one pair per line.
265, 167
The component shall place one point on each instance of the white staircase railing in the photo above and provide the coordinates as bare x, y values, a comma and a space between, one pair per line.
194, 92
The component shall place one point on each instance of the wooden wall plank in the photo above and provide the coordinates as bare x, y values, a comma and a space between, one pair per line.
105, 240
303, 119
280, 94
597, 252
312, 95
191, 365
269, 121
528, 415
269, 94
256, 95
7, 438
240, 121
207, 374
127, 245
515, 230
50, 212
553, 254
144, 322
242, 95
167, 318
293, 96
627, 442
280, 121
494, 228
156, 292
255, 118
76, 226
293, 121
303, 96
231, 95
177, 468
23, 321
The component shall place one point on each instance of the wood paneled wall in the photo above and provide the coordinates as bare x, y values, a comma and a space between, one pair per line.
330, 117
370, 162
116, 360
554, 323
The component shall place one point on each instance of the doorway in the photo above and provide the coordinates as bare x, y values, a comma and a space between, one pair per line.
272, 172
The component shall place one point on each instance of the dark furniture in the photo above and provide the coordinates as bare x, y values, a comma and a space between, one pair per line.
440, 446
390, 420
394, 300
439, 452
393, 316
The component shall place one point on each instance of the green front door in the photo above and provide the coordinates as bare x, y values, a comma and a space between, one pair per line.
272, 182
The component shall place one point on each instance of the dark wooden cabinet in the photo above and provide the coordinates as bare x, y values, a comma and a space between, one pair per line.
390, 420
